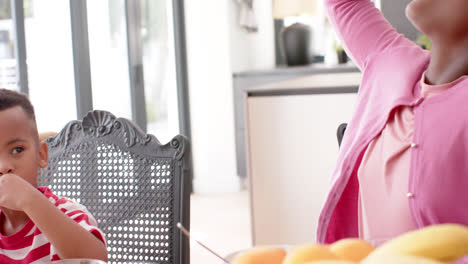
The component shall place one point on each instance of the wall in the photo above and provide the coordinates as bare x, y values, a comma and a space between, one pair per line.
215, 48
252, 51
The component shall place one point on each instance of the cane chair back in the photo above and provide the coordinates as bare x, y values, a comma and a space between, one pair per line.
136, 188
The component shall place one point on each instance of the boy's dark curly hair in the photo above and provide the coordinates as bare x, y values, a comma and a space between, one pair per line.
10, 99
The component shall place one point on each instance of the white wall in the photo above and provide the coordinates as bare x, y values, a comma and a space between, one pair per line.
252, 51
215, 48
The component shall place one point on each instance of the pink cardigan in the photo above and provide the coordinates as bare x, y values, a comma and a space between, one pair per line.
391, 66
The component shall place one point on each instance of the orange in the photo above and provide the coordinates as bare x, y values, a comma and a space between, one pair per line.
332, 262
308, 253
260, 255
352, 249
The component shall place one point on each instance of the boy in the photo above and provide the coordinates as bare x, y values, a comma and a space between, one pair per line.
36, 225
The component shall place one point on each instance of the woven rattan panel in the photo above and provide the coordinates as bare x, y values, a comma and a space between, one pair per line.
130, 196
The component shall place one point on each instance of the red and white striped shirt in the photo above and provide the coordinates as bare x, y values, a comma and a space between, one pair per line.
30, 245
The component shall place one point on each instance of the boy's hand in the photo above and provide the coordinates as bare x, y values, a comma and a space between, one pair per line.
18, 194
15, 192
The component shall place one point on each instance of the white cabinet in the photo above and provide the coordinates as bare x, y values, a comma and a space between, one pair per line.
291, 152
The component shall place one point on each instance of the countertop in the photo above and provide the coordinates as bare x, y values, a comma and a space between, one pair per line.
315, 68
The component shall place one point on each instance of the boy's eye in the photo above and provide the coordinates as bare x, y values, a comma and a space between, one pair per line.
18, 150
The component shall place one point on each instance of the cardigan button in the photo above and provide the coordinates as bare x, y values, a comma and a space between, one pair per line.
410, 195
413, 145
418, 101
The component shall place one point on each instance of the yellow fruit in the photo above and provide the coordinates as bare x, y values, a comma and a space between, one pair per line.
353, 249
399, 259
444, 242
308, 253
260, 255
332, 262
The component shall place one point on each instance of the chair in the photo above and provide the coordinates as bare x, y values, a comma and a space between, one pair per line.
44, 135
340, 132
136, 188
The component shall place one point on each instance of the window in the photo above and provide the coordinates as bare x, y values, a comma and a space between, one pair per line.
109, 37
50, 63
8, 65
108, 56
159, 69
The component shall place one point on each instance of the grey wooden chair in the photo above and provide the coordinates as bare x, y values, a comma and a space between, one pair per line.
136, 188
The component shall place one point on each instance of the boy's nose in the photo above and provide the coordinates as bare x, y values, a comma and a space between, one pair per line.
5, 168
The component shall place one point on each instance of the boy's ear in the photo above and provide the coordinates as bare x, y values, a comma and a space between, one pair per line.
43, 154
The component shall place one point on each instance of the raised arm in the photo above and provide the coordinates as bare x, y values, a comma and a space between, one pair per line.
363, 29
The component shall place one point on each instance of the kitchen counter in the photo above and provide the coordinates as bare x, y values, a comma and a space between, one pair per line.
286, 81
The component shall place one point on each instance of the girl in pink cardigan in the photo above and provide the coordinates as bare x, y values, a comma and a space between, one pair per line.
403, 162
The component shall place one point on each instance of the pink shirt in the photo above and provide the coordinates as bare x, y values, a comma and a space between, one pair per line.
392, 67
384, 175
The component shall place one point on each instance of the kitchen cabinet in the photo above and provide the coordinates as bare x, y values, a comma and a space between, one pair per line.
291, 148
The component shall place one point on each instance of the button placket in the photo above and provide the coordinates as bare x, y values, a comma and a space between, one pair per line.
418, 101
410, 195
